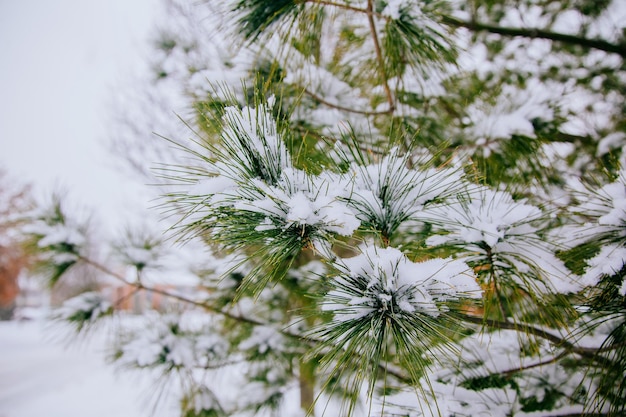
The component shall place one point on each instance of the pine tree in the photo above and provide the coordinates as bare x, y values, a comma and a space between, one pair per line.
412, 208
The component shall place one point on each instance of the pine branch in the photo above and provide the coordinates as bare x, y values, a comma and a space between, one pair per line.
532, 33
557, 341
389, 369
582, 415
347, 109
139, 286
535, 365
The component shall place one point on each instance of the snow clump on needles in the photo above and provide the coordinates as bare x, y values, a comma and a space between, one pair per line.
384, 281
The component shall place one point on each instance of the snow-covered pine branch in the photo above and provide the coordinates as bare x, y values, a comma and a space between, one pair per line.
390, 209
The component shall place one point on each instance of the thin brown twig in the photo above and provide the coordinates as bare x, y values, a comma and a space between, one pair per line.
371, 14
351, 8
583, 414
379, 56
169, 294
347, 109
536, 365
535, 33
338, 5
557, 341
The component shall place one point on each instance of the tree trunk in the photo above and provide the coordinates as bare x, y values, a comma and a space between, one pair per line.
307, 386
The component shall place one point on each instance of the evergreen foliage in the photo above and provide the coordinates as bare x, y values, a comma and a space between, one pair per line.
412, 207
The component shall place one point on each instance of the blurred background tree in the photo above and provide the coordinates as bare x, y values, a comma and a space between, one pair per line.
15, 202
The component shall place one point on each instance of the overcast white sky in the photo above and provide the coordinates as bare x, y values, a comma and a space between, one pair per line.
59, 60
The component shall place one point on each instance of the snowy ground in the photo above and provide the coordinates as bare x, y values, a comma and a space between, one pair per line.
41, 375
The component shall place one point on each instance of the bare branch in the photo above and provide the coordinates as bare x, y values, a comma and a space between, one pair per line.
535, 365
532, 33
379, 56
347, 109
338, 5
582, 415
557, 341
